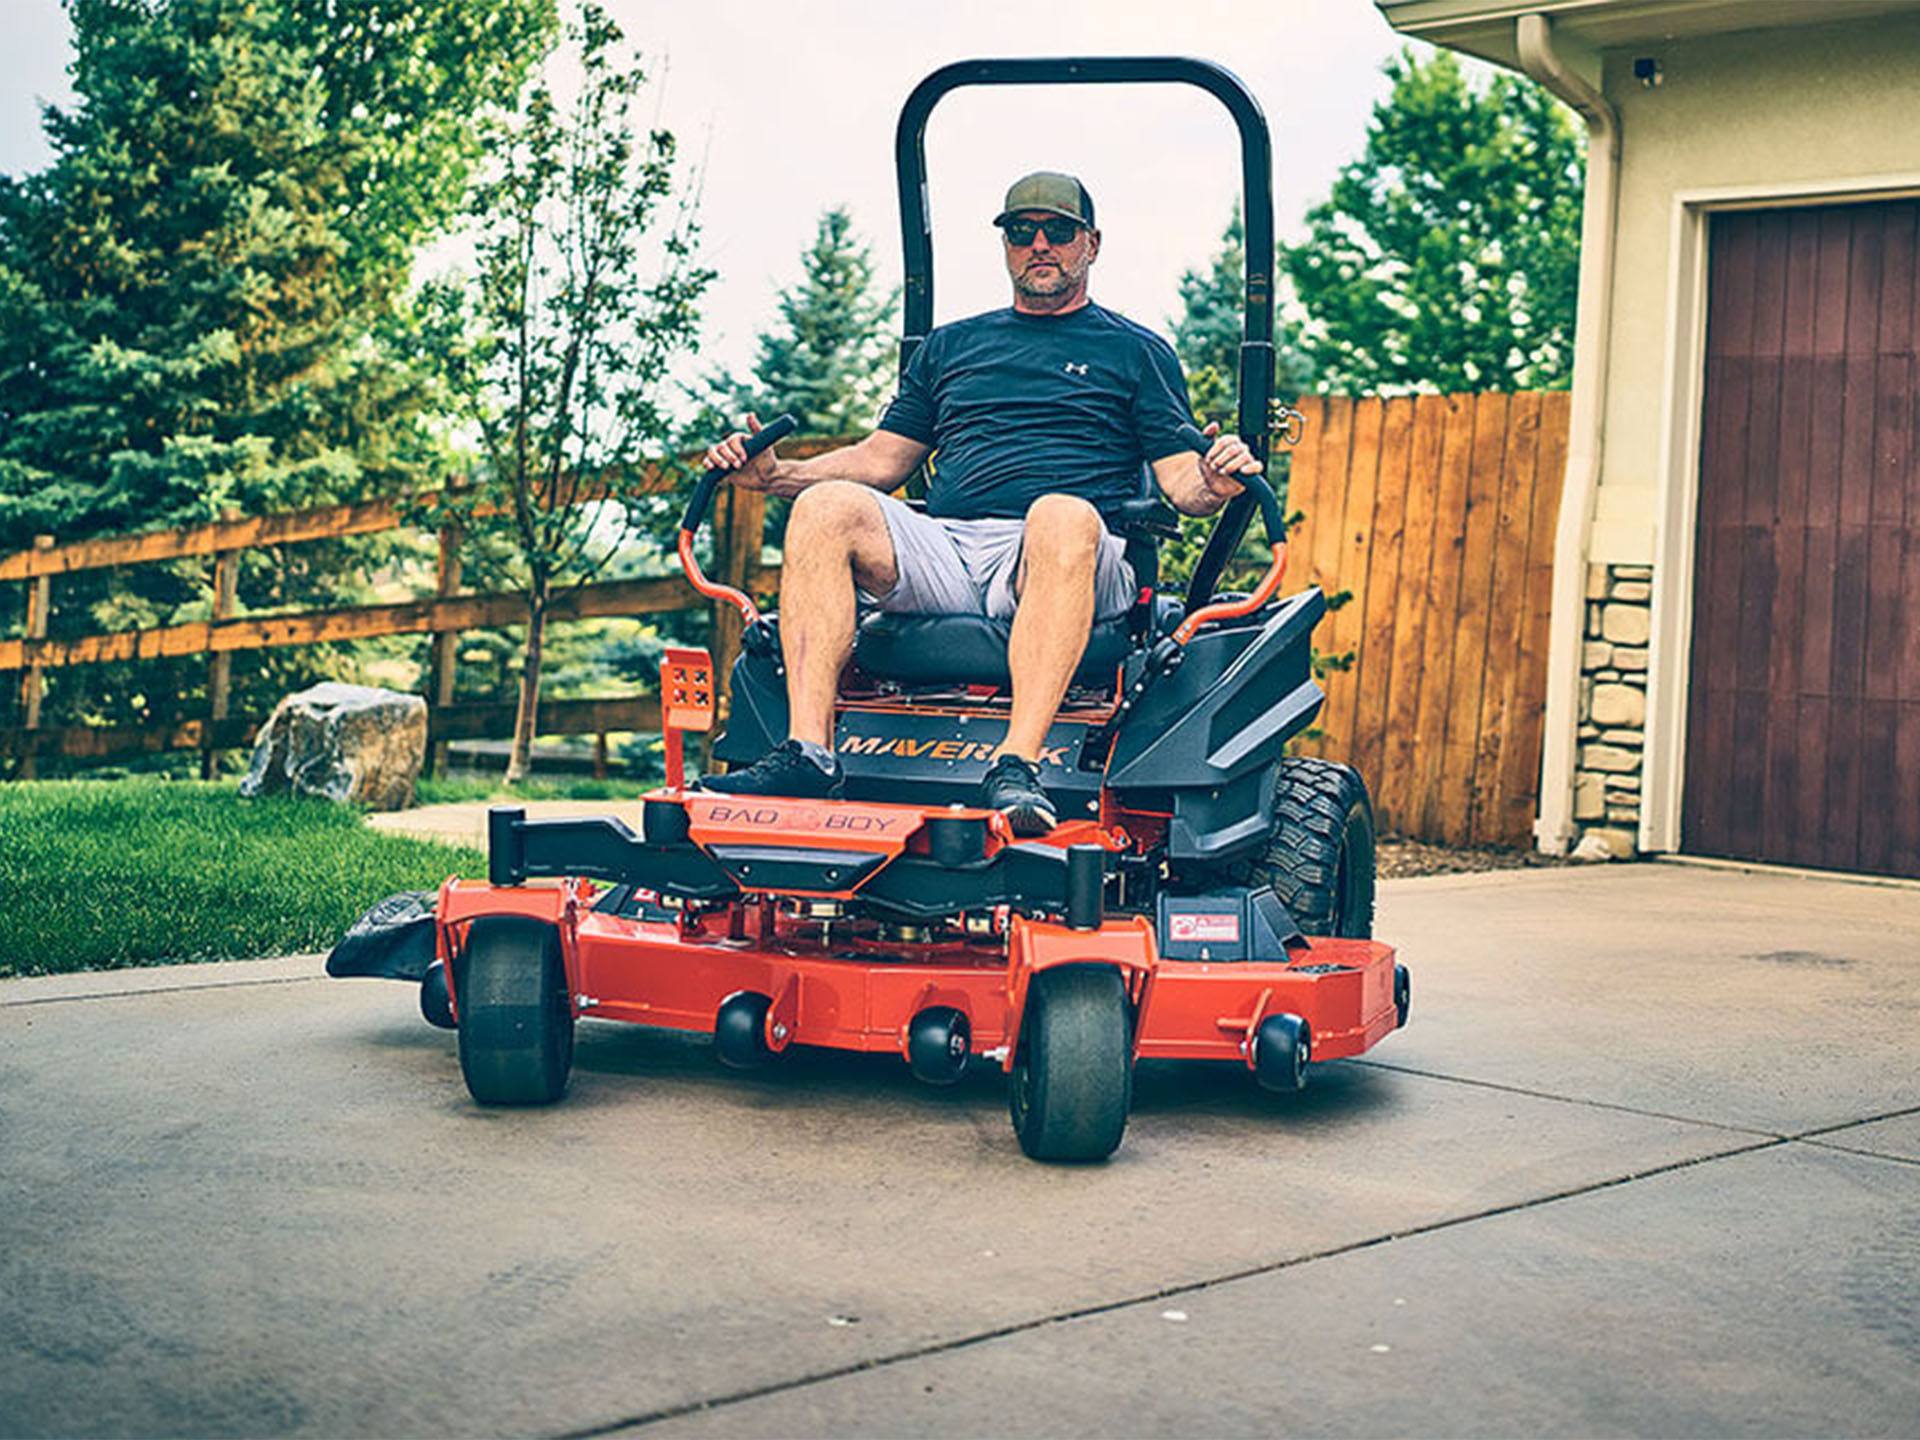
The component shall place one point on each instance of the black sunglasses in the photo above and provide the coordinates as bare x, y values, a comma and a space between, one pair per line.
1059, 232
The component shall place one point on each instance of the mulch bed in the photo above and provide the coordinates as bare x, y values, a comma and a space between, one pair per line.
1396, 858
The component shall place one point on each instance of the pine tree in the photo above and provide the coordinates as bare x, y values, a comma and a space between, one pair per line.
829, 362
204, 294
179, 257
209, 271
1446, 257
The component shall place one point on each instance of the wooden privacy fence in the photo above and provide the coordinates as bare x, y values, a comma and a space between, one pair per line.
1437, 514
738, 526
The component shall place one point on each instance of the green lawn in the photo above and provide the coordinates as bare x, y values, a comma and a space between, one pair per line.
103, 874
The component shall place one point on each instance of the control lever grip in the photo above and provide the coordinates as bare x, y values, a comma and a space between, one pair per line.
1270, 516
703, 488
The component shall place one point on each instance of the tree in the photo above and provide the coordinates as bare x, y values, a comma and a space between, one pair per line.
204, 286
559, 349
829, 362
1212, 323
401, 83
1446, 257
204, 293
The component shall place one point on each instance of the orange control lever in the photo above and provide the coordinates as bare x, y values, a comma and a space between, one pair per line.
1271, 517
1232, 609
696, 512
713, 589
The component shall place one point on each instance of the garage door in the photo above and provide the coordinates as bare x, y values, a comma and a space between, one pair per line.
1803, 716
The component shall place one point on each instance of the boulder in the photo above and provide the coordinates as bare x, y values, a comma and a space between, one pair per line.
349, 743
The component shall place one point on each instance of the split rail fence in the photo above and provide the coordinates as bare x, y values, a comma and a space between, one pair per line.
737, 526
1437, 514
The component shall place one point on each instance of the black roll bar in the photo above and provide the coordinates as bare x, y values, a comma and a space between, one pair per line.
1256, 182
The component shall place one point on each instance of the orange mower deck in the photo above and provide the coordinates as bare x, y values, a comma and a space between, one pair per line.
864, 993
852, 984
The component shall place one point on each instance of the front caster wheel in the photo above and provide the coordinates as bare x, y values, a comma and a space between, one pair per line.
740, 1031
435, 1008
1282, 1050
516, 1014
1072, 1080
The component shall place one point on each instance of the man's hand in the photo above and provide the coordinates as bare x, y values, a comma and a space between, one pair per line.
731, 454
1228, 457
1201, 484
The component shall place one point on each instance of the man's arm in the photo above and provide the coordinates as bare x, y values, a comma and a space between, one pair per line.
1193, 484
883, 460
1201, 484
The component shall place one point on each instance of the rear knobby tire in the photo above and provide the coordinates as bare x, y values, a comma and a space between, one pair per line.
1072, 1080
516, 1014
1319, 858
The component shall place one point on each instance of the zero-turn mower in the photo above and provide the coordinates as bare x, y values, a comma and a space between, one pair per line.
1205, 896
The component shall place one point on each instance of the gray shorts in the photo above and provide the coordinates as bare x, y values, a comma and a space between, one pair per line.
968, 567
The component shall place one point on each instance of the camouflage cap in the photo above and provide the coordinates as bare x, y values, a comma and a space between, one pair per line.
1051, 192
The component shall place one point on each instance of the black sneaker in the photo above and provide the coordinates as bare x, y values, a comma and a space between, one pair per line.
784, 770
1013, 788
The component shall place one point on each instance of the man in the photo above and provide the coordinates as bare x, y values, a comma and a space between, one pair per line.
1037, 417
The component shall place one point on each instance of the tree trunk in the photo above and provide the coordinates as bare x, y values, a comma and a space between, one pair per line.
527, 716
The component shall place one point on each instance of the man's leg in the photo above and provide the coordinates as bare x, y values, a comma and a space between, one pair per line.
836, 539
1058, 558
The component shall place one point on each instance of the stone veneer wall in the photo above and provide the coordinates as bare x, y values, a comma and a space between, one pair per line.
1613, 706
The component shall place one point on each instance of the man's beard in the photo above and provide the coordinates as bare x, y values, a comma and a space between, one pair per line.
1046, 287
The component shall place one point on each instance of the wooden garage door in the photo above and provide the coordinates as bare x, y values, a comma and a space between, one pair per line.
1803, 717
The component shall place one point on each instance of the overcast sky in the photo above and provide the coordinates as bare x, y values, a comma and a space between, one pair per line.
790, 108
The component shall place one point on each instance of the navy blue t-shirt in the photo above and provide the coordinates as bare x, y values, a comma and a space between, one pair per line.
1019, 406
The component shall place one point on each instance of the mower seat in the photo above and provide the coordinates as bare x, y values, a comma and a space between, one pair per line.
970, 650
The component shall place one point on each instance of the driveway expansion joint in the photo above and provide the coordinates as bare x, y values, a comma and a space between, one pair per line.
1764, 1140
1168, 1292
1833, 1149
1808, 1136
153, 990
1555, 1097
1839, 1125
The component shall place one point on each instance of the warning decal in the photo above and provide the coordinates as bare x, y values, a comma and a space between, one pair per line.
1203, 928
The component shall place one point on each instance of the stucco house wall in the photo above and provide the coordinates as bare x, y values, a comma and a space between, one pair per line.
1829, 105
1818, 101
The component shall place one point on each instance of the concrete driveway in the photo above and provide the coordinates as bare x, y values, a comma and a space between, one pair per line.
1646, 1162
